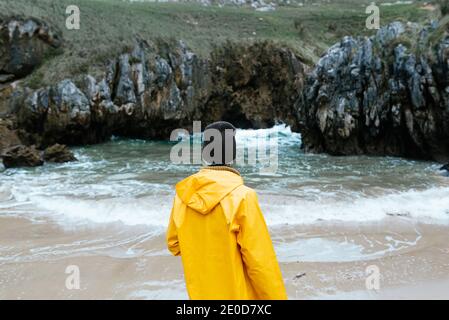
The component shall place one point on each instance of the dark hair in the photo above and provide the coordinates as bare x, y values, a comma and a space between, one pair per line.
222, 152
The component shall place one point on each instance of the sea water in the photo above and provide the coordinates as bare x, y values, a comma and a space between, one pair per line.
132, 182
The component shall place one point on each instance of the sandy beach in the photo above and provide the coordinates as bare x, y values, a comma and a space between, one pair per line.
322, 261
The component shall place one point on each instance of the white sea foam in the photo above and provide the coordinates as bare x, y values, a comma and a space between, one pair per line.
282, 133
171, 290
327, 250
244, 137
430, 206
151, 211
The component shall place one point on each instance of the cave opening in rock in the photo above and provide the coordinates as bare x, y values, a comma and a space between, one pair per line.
235, 116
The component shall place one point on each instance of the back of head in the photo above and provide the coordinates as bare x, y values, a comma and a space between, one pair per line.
219, 146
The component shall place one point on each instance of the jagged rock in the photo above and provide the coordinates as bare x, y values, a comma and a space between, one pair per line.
59, 113
6, 78
68, 107
383, 95
8, 136
58, 153
24, 44
22, 156
125, 88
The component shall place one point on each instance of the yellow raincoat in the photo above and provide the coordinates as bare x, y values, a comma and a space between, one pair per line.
217, 227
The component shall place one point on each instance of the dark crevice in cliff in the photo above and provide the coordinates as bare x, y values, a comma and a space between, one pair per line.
237, 118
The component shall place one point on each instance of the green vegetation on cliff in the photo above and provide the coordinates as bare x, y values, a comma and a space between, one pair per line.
108, 27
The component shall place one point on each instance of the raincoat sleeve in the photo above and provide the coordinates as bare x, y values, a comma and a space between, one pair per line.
172, 235
258, 252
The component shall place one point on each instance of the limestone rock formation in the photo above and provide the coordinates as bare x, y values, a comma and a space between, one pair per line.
24, 44
8, 136
156, 88
58, 153
22, 156
384, 95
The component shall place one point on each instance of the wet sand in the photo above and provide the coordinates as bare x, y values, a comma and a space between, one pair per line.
321, 261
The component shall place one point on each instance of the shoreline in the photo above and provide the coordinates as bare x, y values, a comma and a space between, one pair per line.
321, 261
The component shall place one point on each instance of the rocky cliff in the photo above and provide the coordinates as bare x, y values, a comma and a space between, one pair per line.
383, 95
24, 44
157, 87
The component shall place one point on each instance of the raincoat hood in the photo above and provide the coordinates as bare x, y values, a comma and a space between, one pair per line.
205, 189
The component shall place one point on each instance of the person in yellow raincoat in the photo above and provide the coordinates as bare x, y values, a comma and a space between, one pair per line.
218, 229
